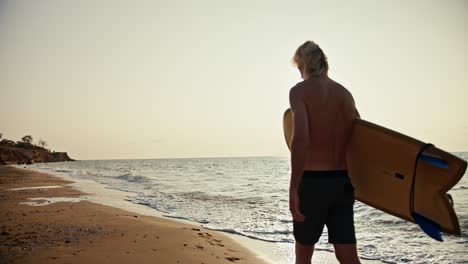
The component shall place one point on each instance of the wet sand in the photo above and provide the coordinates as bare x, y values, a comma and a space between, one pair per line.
70, 230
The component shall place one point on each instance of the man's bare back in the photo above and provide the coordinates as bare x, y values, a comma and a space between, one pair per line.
330, 113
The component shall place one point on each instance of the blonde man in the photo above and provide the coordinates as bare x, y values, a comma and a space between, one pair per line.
320, 190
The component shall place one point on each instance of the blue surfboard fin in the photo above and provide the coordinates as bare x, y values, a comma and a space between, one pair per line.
434, 161
429, 227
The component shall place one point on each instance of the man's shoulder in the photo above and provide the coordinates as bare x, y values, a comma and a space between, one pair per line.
345, 95
297, 89
346, 92
299, 85
341, 88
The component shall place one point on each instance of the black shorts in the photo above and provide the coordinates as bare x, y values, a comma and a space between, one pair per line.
326, 198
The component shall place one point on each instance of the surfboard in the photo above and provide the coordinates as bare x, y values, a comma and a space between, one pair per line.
400, 175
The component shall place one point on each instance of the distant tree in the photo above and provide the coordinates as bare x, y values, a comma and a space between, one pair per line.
27, 139
1, 135
7, 142
42, 142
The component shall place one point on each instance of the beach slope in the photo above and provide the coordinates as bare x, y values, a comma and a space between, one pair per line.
75, 231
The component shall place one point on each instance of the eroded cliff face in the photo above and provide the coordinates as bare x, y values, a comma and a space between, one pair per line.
14, 155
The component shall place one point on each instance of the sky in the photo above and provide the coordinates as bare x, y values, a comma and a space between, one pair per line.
210, 78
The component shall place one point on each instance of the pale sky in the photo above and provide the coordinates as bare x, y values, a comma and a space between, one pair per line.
168, 79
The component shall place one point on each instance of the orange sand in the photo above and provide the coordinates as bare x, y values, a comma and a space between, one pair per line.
85, 232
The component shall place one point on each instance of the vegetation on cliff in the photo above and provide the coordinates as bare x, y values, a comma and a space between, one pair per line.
26, 152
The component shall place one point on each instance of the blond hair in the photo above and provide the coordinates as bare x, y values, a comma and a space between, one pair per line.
310, 57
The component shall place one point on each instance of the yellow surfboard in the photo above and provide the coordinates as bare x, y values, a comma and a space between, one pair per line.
400, 175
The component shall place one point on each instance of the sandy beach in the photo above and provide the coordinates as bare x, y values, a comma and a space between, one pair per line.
85, 232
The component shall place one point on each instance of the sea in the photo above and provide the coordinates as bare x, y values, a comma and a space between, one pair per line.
248, 196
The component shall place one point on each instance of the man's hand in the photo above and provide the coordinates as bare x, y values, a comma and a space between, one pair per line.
294, 206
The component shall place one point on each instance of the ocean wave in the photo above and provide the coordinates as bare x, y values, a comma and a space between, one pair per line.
151, 202
227, 199
186, 218
235, 232
62, 170
274, 232
177, 217
92, 173
131, 178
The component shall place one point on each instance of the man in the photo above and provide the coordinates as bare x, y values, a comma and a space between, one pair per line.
320, 190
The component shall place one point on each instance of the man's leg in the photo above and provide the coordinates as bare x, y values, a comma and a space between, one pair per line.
346, 253
340, 225
304, 253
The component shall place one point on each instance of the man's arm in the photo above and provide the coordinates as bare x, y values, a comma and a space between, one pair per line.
300, 138
350, 103
299, 144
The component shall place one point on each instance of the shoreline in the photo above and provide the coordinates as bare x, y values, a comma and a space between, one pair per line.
64, 226
89, 191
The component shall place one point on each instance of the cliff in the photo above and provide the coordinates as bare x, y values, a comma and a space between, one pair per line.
17, 155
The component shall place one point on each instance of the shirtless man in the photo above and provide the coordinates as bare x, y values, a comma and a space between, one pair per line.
320, 190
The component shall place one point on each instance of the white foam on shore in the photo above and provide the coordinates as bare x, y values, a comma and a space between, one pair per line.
36, 187
42, 201
98, 193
